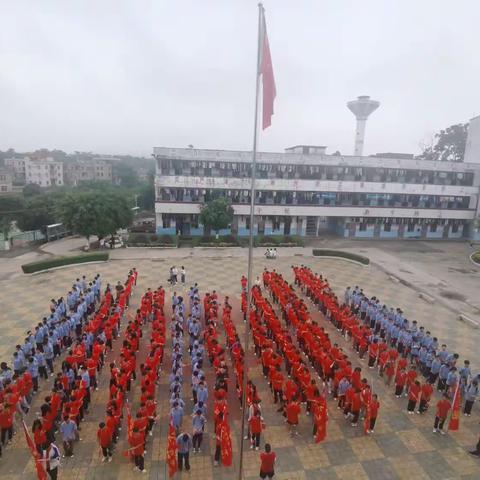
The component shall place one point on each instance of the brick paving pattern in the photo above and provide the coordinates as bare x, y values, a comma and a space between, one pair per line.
403, 446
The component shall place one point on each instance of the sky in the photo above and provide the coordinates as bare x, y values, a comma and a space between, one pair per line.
115, 76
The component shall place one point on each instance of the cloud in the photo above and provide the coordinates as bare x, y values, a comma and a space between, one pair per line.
122, 77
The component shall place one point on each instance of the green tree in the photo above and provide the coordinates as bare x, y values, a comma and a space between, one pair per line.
449, 146
125, 174
95, 213
146, 197
31, 189
39, 212
216, 214
11, 209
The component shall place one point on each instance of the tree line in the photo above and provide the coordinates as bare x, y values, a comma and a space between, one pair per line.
98, 208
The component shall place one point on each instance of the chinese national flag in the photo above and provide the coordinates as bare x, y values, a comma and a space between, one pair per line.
454, 423
41, 474
172, 451
268, 80
226, 445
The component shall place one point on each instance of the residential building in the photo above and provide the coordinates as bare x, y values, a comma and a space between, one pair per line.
88, 171
17, 165
44, 171
304, 191
6, 179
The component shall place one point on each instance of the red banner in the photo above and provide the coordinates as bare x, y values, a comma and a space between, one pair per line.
226, 446
41, 474
454, 423
366, 422
172, 451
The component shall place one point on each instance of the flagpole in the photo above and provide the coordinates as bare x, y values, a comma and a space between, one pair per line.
250, 245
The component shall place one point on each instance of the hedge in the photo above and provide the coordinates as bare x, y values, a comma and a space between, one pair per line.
279, 241
476, 257
336, 253
151, 240
61, 261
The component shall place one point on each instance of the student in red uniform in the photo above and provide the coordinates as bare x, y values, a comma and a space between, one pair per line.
104, 436
443, 407
292, 410
267, 467
400, 380
427, 391
373, 408
356, 405
413, 396
6, 422
137, 446
256, 427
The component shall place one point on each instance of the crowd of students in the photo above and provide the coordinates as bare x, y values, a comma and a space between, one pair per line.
275, 346
85, 342
401, 350
141, 425
255, 421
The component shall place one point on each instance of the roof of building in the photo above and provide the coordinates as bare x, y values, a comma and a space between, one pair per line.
309, 146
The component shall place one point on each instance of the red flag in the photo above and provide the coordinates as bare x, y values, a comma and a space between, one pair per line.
41, 474
268, 79
126, 453
366, 423
226, 445
454, 423
129, 419
320, 421
172, 451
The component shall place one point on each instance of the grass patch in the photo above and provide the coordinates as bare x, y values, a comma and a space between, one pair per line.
61, 261
336, 253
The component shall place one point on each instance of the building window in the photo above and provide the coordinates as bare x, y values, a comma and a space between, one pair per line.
4, 188
455, 228
362, 227
433, 227
411, 227
247, 223
387, 227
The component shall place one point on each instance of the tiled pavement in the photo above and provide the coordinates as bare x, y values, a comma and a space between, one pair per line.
403, 447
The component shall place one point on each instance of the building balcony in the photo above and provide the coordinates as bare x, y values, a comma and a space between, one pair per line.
297, 185
324, 211
234, 156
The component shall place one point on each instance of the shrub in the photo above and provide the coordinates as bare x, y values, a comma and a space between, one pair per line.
153, 238
476, 257
140, 238
336, 253
61, 261
166, 239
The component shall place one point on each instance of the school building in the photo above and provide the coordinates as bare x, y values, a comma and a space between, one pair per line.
305, 191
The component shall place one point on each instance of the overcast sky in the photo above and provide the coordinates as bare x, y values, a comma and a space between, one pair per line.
115, 76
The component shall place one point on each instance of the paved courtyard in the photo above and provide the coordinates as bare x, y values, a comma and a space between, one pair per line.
403, 446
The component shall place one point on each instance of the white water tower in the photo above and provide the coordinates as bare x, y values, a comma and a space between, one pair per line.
362, 107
